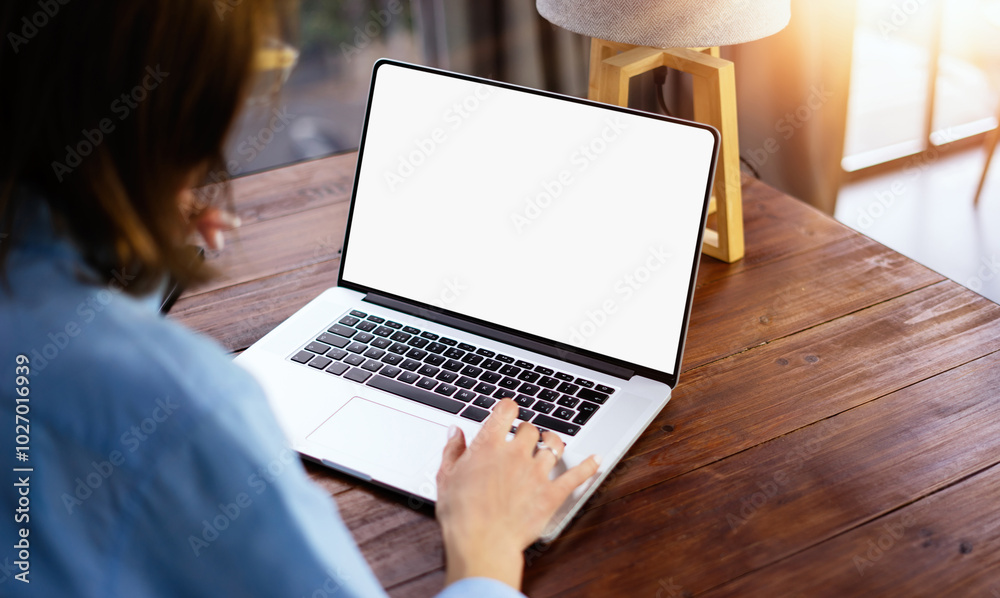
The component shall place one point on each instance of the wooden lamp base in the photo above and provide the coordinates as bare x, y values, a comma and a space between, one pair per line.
612, 64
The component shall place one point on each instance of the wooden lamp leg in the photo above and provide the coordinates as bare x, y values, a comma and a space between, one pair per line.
613, 64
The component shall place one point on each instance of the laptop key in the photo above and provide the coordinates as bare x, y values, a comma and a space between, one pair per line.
528, 376
446, 376
357, 375
410, 364
416, 394
584, 383
374, 353
358, 314
556, 425
372, 365
429, 336
465, 395
491, 377
504, 393
411, 330
471, 370
332, 339
485, 352
582, 417
511, 383
448, 341
592, 395
349, 320
436, 348
466, 347
452, 365
568, 401
399, 348
342, 330
395, 325
486, 389
392, 359
427, 383
454, 353
465, 382
528, 389
543, 370
418, 342
354, 359
435, 359
376, 319
364, 337
366, 326
524, 414
383, 331
541, 406
490, 364
475, 413
390, 371
401, 337
318, 348
568, 388
303, 356
548, 395
505, 359
563, 413
336, 353
472, 359
319, 362
524, 364
484, 402
357, 347
509, 370
524, 400
408, 377
416, 353
605, 389
445, 389
428, 370
337, 368
563, 376
547, 382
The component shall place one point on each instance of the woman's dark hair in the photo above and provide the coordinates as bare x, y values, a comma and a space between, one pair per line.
110, 108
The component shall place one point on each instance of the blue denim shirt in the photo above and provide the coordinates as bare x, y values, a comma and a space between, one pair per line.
152, 464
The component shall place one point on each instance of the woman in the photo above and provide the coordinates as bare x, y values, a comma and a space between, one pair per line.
151, 464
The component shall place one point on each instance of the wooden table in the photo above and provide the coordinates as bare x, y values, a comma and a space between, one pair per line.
836, 431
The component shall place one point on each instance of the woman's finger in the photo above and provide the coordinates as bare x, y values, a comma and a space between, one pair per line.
497, 425
564, 485
453, 449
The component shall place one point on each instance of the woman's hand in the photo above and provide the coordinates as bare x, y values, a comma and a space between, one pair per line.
495, 496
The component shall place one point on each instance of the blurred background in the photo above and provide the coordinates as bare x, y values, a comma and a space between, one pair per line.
875, 111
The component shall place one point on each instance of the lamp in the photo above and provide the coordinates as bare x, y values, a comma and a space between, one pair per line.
632, 37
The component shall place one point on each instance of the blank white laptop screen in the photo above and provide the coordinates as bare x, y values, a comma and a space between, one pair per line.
551, 217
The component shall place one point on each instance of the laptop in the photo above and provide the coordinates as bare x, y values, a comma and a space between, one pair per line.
501, 242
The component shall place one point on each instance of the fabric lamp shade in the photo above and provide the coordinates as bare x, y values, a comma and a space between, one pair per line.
670, 23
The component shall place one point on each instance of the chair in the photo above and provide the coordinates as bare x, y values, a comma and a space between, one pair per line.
991, 145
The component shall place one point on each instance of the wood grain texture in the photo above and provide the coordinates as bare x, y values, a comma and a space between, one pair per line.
748, 511
851, 383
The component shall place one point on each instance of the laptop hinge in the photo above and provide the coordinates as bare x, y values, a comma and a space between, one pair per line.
561, 353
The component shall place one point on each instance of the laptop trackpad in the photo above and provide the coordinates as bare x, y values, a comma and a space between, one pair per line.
403, 443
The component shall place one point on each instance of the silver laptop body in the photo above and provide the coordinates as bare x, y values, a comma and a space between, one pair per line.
502, 241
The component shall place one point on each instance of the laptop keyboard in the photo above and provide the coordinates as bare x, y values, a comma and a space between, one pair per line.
453, 376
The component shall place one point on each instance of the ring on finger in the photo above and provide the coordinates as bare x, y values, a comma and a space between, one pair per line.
541, 446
